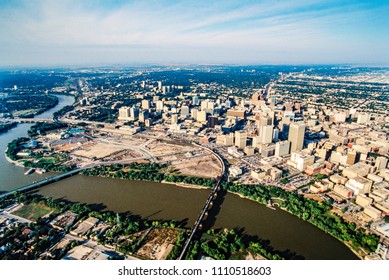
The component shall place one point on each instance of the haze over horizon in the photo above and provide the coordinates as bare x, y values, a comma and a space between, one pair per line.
70, 32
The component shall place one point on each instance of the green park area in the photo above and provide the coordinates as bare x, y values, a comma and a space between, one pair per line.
33, 211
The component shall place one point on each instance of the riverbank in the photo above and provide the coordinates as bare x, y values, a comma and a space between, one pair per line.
7, 126
183, 185
14, 162
360, 256
149, 173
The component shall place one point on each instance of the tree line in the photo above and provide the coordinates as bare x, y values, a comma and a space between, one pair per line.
309, 210
143, 171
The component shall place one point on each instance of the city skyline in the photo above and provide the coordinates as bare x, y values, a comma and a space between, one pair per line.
45, 33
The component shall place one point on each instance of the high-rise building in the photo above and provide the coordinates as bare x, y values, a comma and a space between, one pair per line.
185, 111
124, 113
282, 148
201, 116
159, 105
266, 134
256, 141
143, 115
195, 100
265, 120
134, 113
212, 121
276, 133
296, 136
159, 85
210, 105
240, 139
204, 105
145, 104
193, 113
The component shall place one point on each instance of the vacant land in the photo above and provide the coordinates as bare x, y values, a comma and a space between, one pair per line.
33, 211
99, 150
158, 243
206, 165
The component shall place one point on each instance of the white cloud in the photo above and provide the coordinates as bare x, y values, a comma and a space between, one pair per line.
54, 32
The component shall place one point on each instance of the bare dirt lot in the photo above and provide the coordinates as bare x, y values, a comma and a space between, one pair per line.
158, 243
205, 166
98, 150
160, 149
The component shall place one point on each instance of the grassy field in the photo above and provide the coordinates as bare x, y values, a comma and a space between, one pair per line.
33, 211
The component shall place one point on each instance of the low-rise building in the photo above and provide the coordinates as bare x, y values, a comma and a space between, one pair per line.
358, 169
235, 171
359, 185
343, 191
372, 212
337, 179
300, 160
363, 200
258, 174
314, 169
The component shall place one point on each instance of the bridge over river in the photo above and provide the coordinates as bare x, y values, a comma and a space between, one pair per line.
208, 204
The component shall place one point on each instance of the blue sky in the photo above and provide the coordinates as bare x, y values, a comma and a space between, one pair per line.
71, 32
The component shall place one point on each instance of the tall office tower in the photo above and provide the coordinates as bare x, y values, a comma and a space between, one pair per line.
212, 121
211, 105
143, 115
134, 113
185, 111
159, 105
265, 120
266, 134
204, 105
201, 116
159, 85
256, 141
195, 100
282, 148
146, 104
240, 139
124, 113
296, 136
174, 119
193, 113
276, 133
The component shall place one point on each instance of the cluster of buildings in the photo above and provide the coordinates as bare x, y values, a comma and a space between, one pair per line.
266, 139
